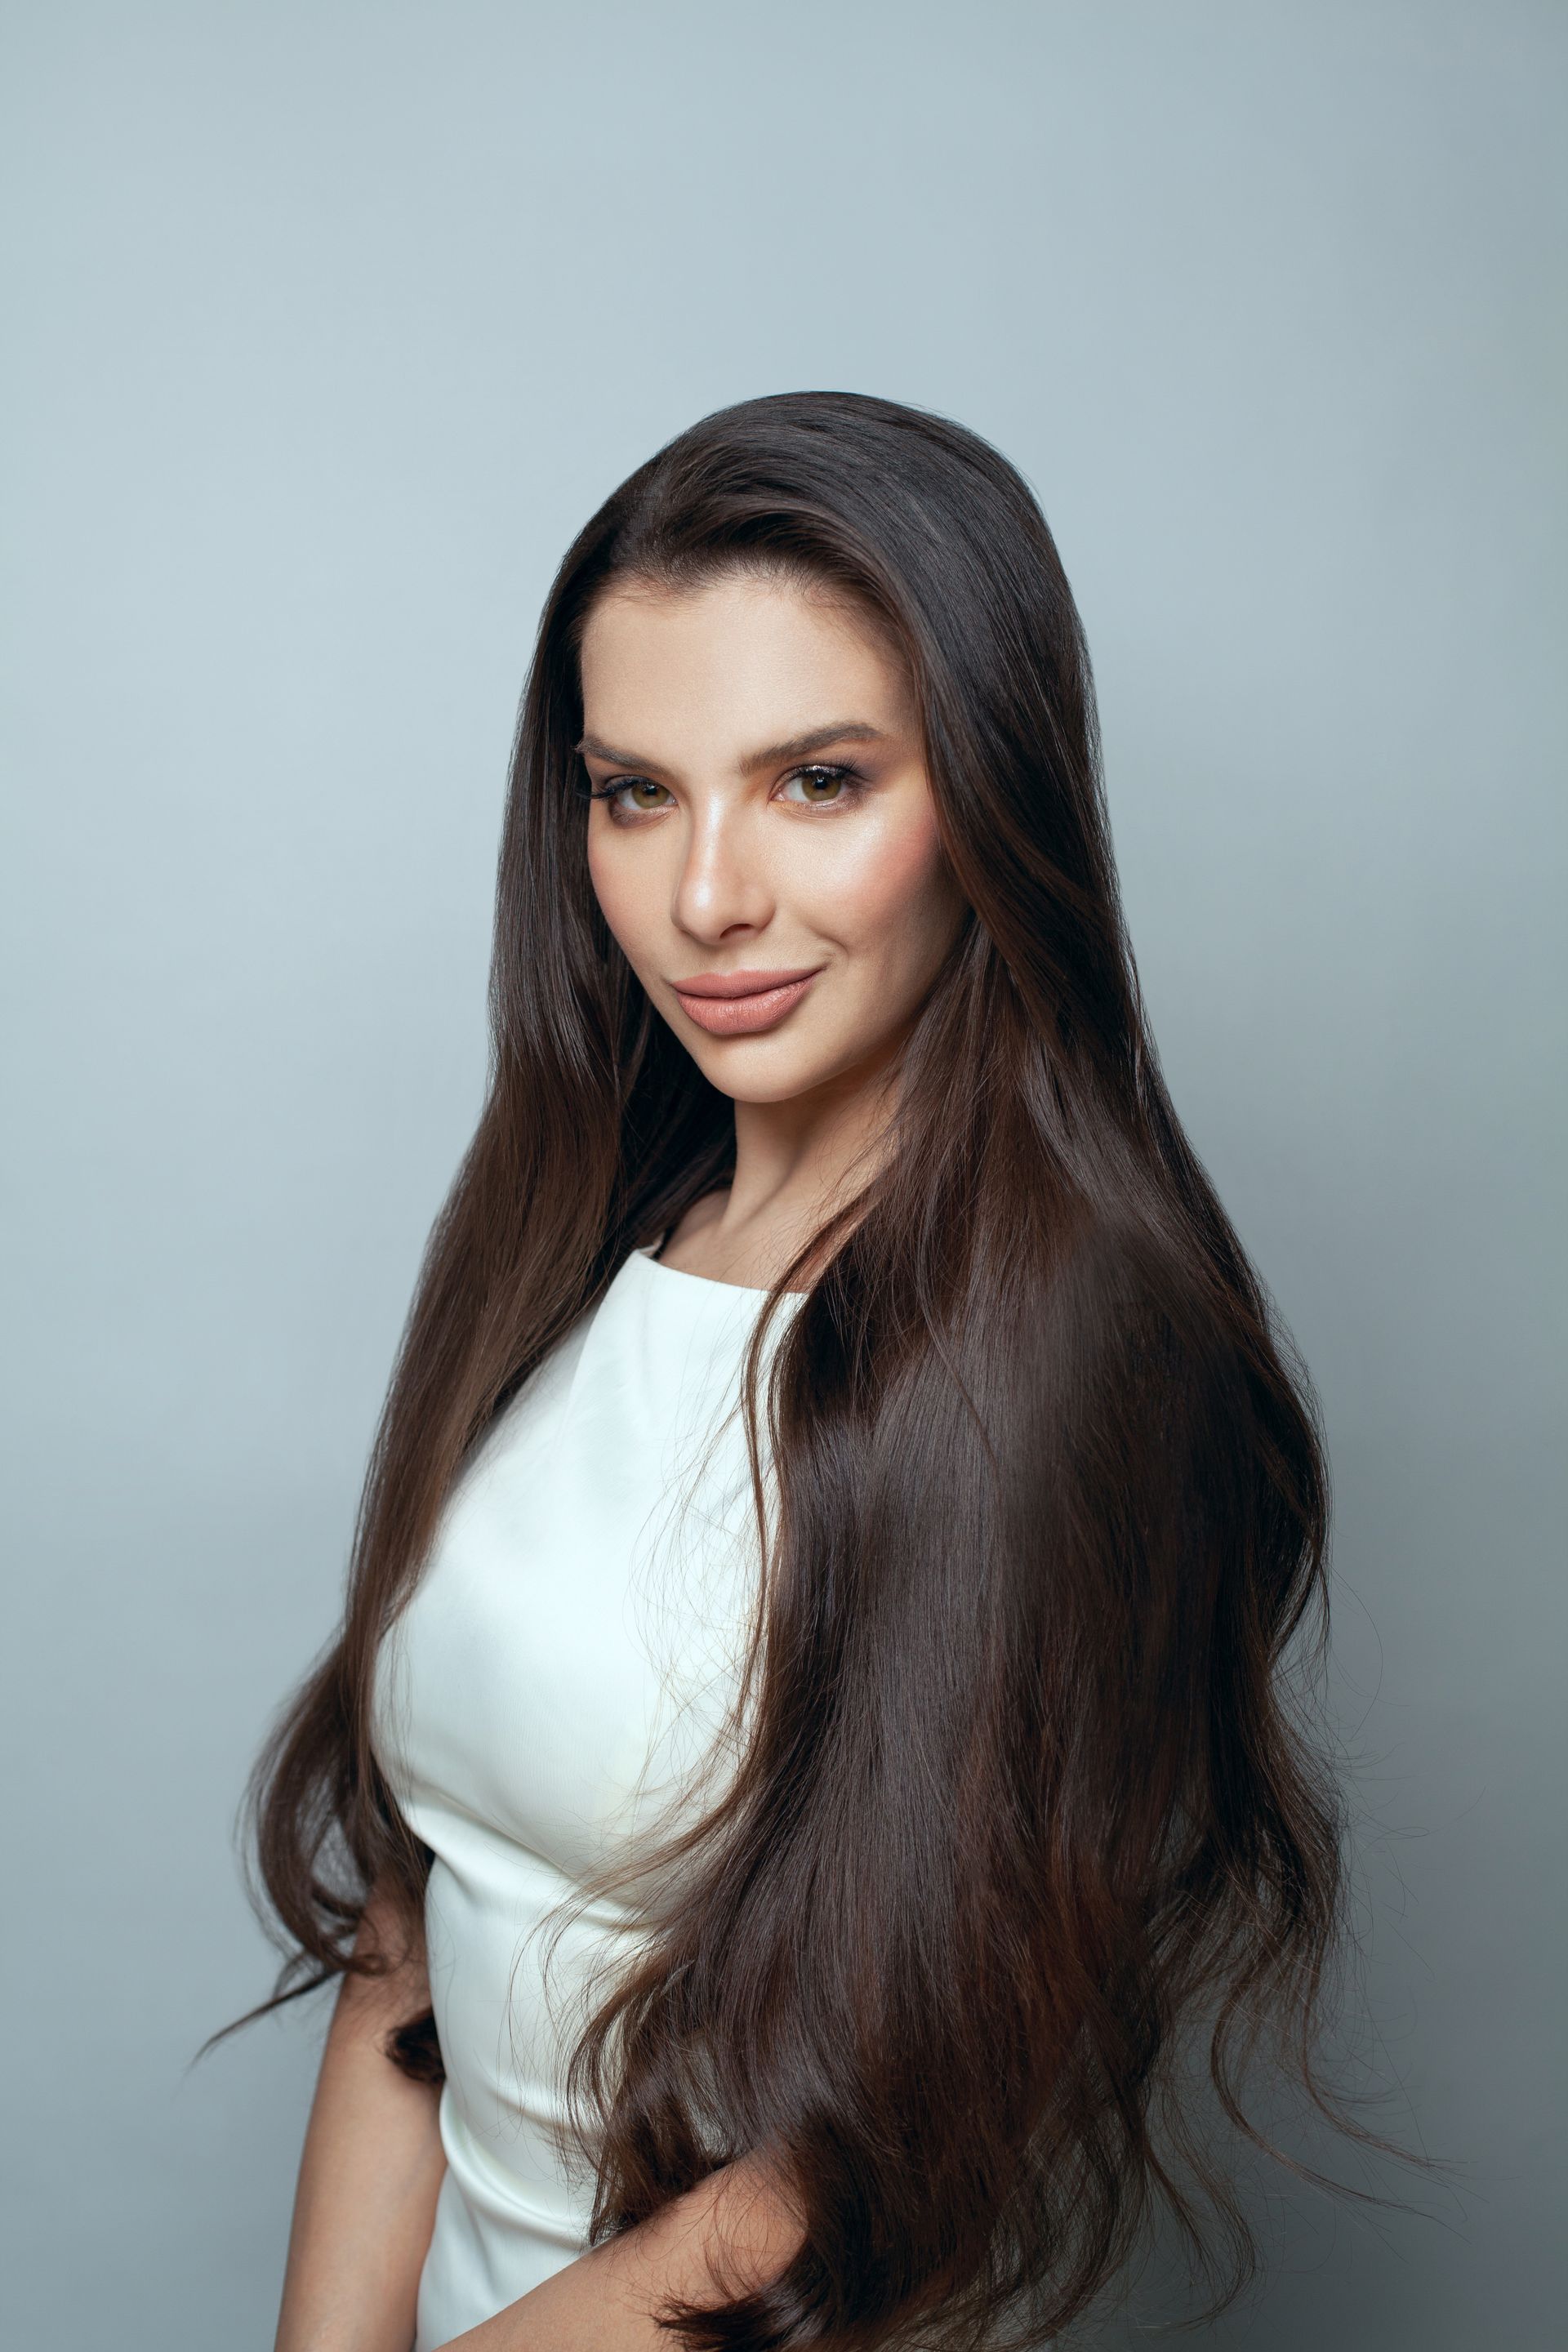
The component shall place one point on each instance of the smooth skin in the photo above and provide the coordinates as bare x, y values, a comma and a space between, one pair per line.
714, 847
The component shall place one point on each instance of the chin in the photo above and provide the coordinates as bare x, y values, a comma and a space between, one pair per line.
763, 1087
759, 1070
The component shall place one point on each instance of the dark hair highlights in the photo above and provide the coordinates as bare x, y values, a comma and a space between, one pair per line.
1025, 1801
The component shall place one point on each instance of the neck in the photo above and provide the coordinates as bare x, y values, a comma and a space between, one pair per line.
798, 1161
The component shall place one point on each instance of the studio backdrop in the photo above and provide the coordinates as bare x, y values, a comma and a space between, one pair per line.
328, 324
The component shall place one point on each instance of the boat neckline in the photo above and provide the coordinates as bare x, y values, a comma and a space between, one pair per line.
708, 1282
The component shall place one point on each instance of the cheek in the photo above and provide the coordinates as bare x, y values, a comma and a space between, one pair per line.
885, 886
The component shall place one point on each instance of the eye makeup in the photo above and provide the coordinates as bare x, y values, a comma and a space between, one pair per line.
832, 772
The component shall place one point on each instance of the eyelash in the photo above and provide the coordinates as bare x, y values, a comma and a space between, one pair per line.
840, 771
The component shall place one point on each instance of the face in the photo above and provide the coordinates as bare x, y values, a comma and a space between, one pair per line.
762, 820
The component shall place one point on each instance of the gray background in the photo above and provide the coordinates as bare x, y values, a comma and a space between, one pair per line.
329, 325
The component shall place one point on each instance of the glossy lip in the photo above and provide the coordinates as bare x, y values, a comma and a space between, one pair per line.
724, 1010
741, 983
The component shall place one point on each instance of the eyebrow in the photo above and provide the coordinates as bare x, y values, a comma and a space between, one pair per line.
850, 731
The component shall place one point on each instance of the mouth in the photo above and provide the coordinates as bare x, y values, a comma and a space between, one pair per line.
739, 1004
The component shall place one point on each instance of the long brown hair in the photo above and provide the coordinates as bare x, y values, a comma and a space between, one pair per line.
1026, 1800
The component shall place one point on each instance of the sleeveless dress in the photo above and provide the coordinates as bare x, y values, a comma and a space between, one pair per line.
542, 1705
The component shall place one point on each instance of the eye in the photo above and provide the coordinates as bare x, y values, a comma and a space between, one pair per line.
825, 787
625, 811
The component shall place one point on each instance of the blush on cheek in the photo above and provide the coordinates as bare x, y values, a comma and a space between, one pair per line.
892, 875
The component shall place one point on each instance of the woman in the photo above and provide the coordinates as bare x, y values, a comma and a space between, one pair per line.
806, 1747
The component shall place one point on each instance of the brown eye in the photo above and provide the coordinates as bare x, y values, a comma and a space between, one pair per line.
628, 795
822, 787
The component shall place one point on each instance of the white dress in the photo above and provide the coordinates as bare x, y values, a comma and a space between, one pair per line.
565, 1660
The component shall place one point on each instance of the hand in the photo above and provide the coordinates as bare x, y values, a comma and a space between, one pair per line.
735, 2231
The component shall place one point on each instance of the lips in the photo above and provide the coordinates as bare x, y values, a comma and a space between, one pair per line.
741, 983
740, 1004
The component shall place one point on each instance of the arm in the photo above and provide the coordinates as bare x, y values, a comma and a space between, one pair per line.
369, 2175
736, 2226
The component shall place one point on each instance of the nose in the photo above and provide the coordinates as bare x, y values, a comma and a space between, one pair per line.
720, 885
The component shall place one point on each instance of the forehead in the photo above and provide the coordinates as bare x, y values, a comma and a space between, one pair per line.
738, 658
